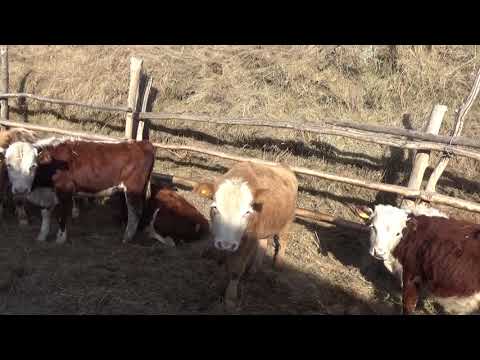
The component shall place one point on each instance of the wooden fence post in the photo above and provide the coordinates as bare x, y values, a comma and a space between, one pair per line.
146, 95
133, 90
4, 80
422, 158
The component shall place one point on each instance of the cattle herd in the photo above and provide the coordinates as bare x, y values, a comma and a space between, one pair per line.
252, 206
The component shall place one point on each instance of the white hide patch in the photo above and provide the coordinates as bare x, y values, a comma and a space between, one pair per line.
233, 201
460, 305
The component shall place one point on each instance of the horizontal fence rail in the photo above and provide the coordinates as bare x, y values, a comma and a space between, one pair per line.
399, 138
322, 127
66, 102
400, 190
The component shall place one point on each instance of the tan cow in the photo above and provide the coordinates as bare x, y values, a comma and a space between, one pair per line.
251, 204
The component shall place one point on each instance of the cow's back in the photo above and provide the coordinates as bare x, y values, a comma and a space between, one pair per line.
445, 252
91, 166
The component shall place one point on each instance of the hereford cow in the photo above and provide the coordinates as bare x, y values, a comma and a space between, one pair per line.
64, 167
6, 138
169, 218
427, 250
251, 204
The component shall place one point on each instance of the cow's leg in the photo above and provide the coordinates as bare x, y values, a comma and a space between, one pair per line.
21, 213
135, 209
236, 265
259, 255
280, 243
46, 221
409, 295
64, 215
151, 232
75, 208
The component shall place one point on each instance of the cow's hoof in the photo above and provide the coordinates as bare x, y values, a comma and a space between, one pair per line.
75, 213
168, 241
231, 304
61, 237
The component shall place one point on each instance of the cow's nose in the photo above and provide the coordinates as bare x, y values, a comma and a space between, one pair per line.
225, 245
19, 191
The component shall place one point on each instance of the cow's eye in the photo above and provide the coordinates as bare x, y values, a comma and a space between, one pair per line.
398, 234
213, 208
33, 167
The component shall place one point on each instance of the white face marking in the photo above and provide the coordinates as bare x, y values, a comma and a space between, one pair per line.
386, 223
230, 212
21, 161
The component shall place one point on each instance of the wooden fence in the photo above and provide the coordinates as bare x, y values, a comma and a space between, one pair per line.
422, 141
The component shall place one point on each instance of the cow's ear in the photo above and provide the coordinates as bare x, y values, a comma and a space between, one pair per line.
259, 196
205, 189
364, 212
44, 157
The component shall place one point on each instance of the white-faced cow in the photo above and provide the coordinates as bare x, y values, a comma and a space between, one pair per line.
251, 204
64, 167
427, 250
6, 138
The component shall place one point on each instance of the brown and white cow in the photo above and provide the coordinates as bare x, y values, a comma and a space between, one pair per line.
251, 204
428, 251
48, 172
6, 138
170, 218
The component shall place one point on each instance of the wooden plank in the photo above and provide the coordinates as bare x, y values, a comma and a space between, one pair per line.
133, 90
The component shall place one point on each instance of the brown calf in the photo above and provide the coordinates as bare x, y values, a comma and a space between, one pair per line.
251, 204
170, 219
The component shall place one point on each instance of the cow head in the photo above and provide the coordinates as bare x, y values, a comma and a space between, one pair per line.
235, 206
386, 223
21, 159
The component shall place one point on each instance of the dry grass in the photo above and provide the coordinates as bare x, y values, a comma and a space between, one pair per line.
280, 82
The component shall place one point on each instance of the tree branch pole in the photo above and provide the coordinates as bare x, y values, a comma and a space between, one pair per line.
320, 127
401, 190
422, 158
65, 102
146, 95
3, 80
133, 93
460, 120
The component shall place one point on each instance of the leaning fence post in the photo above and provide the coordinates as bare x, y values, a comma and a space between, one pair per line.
4, 81
146, 95
422, 157
457, 130
133, 90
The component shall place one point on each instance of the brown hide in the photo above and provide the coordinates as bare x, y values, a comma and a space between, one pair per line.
441, 254
82, 166
277, 201
176, 217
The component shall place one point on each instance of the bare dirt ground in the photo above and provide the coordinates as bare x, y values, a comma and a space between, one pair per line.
96, 274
